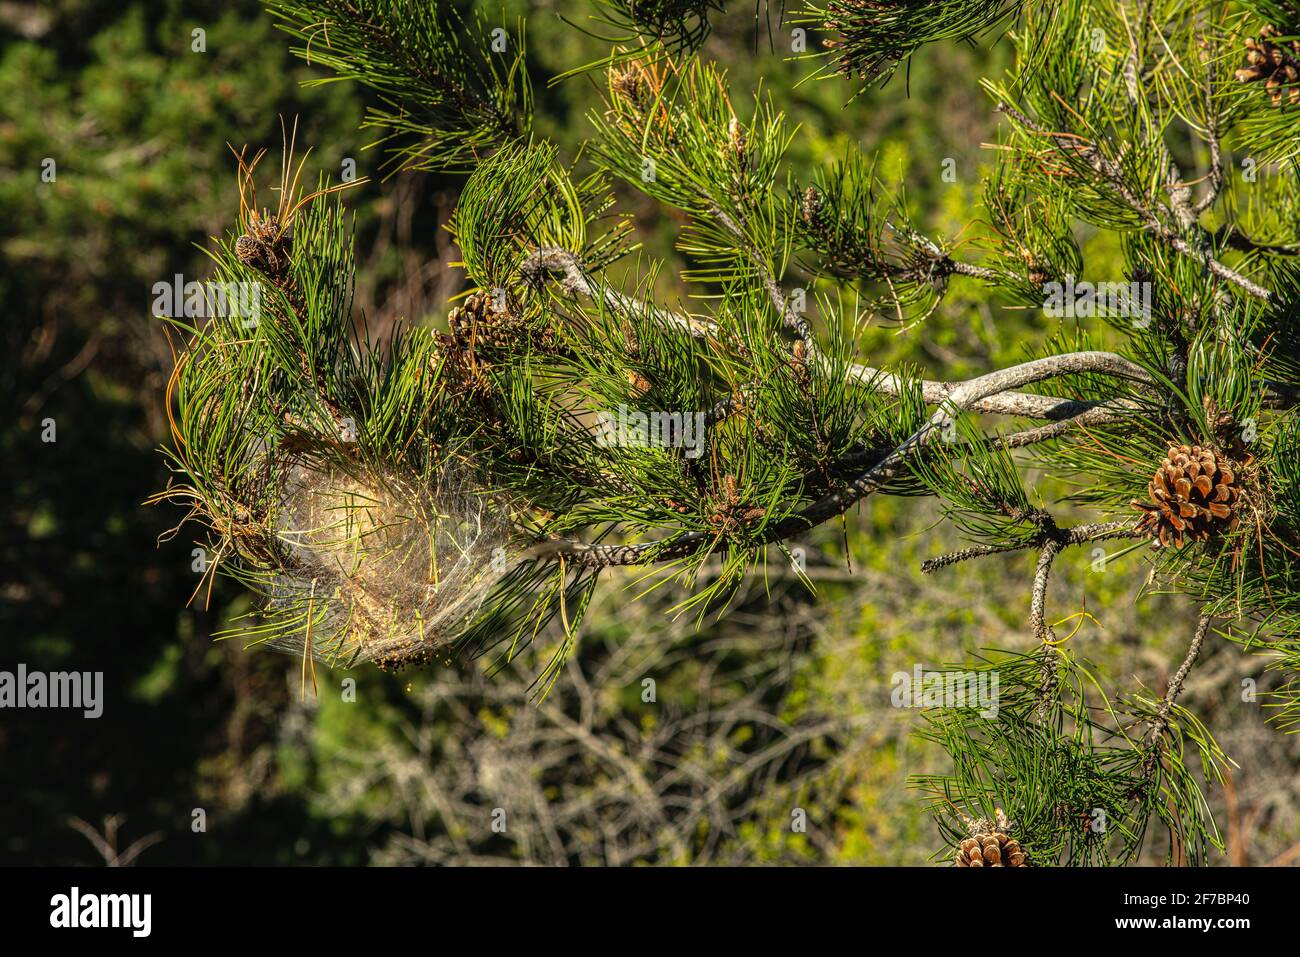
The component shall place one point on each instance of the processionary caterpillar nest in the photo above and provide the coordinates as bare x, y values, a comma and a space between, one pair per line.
382, 568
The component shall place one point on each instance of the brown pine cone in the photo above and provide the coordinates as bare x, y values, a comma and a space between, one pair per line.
478, 324
1276, 65
990, 845
1193, 493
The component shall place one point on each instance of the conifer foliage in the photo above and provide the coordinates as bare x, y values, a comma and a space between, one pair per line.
448, 494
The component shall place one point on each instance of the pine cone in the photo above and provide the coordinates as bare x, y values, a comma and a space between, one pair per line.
1277, 66
810, 209
627, 85
472, 318
638, 385
1193, 494
478, 324
990, 845
1036, 273
265, 247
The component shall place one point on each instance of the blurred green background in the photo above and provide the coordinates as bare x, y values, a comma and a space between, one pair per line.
764, 737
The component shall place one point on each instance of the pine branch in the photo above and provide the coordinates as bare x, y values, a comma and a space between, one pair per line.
875, 477
1064, 537
1233, 237
875, 36
1022, 404
1038, 602
1175, 685
551, 260
452, 89
481, 440
1153, 217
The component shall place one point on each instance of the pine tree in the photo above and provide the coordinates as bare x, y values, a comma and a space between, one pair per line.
449, 494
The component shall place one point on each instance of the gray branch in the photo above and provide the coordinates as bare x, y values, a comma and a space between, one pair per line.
875, 477
1150, 216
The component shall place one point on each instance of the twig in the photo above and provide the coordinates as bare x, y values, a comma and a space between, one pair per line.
1238, 240
1214, 177
1092, 156
1038, 603
1175, 686
933, 391
1075, 535
875, 477
106, 844
552, 259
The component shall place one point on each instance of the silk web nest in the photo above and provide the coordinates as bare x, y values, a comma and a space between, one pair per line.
380, 568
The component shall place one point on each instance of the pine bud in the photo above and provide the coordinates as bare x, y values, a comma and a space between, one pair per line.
736, 140
811, 208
